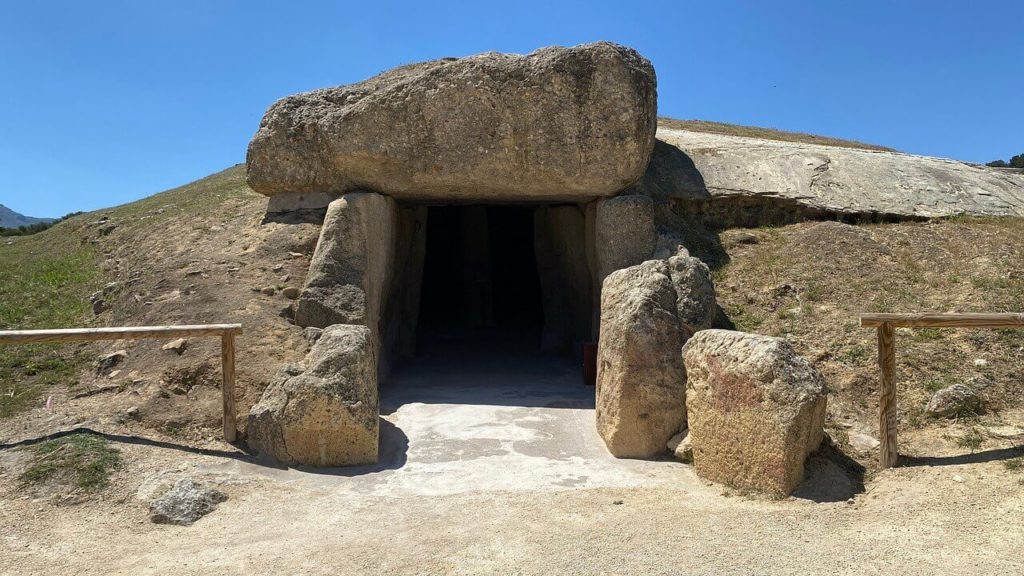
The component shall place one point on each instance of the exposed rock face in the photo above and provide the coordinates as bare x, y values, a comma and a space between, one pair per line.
743, 181
327, 414
955, 400
557, 124
756, 410
696, 301
185, 503
349, 274
624, 233
641, 384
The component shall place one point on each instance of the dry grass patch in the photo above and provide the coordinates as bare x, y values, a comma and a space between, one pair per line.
809, 282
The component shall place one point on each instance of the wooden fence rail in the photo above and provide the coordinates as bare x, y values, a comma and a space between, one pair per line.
226, 332
886, 325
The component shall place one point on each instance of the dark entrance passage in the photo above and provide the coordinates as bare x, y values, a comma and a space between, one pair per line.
493, 279
481, 289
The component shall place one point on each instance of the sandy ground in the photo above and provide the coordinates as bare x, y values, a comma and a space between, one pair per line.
507, 476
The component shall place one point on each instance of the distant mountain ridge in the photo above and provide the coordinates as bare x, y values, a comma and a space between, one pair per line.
11, 219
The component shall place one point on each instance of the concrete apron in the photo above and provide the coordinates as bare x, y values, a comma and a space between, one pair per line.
485, 423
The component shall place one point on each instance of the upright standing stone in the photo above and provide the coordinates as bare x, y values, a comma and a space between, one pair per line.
756, 410
624, 233
325, 415
620, 233
641, 383
349, 275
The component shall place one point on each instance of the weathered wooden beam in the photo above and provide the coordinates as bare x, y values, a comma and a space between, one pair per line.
1006, 320
227, 366
126, 333
888, 451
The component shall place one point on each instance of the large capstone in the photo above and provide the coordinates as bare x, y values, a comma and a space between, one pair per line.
557, 124
641, 382
755, 408
325, 413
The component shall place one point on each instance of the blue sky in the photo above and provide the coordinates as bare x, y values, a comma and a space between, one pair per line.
106, 102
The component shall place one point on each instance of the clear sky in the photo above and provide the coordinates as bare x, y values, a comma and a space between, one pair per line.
109, 101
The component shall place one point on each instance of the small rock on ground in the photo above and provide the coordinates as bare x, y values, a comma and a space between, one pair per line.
862, 442
954, 400
108, 362
681, 447
177, 346
185, 503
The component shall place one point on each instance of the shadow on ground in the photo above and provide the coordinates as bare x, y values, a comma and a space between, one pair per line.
831, 477
959, 459
133, 440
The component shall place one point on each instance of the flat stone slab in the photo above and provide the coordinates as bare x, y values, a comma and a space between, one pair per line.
719, 169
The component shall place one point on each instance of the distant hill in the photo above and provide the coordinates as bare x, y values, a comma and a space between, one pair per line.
11, 219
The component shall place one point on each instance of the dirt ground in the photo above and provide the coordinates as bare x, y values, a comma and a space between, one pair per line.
945, 518
480, 475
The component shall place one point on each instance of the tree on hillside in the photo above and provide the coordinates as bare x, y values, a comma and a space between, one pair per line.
1015, 162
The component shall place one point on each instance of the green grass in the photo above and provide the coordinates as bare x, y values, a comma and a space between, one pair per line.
764, 133
46, 281
82, 460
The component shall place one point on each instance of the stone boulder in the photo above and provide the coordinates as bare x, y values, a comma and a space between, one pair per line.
755, 409
955, 400
185, 503
349, 274
559, 124
696, 301
326, 412
737, 181
641, 383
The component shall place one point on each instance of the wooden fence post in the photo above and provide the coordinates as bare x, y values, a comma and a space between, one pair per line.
227, 357
888, 452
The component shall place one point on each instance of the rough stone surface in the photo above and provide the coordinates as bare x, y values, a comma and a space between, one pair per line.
641, 384
696, 302
177, 346
756, 410
624, 233
326, 415
350, 270
737, 180
681, 446
955, 400
185, 503
109, 361
557, 124
863, 442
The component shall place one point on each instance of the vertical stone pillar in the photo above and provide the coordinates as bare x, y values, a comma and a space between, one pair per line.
349, 274
620, 233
